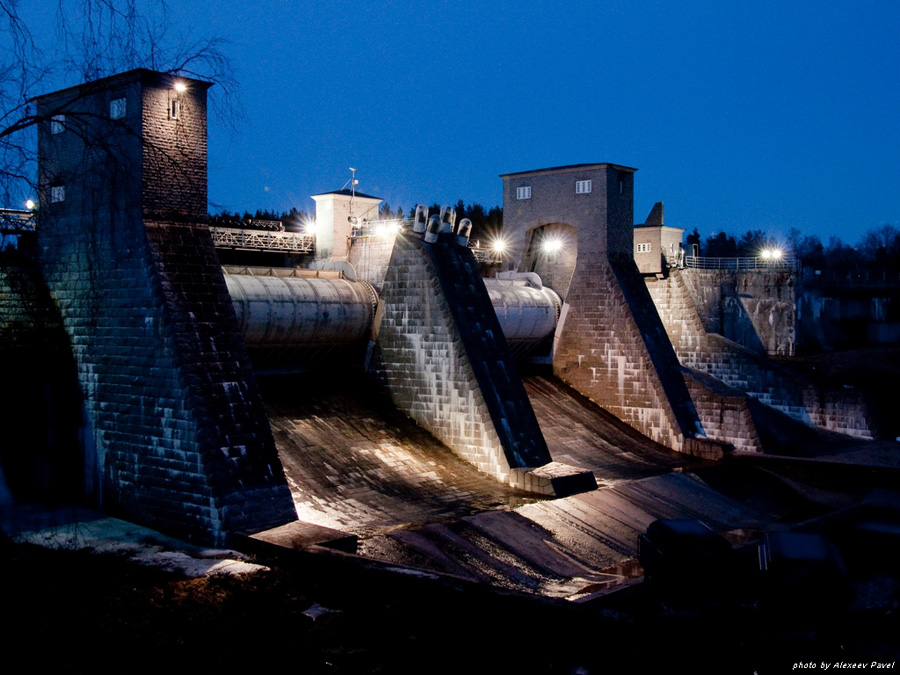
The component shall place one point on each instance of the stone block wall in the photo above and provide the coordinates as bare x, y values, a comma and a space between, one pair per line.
182, 440
755, 308
611, 346
740, 368
553, 199
173, 152
724, 412
370, 257
42, 457
619, 356
446, 363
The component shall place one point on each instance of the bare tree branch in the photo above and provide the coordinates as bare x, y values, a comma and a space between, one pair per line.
93, 39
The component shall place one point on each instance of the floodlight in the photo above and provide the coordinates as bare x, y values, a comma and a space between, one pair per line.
552, 245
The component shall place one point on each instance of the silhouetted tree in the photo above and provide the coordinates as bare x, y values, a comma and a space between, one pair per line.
460, 209
385, 212
881, 246
811, 252
839, 255
690, 240
752, 243
720, 246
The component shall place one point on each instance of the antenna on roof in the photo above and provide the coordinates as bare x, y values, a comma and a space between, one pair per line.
353, 183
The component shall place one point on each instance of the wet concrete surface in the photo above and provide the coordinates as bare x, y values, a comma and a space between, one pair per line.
581, 433
356, 464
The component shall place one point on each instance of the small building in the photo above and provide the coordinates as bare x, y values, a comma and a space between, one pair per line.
656, 246
337, 213
552, 216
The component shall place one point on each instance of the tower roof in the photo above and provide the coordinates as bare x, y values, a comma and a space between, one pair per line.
347, 193
142, 75
570, 167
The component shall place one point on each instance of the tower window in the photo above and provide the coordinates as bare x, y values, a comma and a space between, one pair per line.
175, 109
582, 187
57, 124
57, 193
644, 248
117, 109
523, 192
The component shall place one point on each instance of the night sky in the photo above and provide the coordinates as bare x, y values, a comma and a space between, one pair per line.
763, 115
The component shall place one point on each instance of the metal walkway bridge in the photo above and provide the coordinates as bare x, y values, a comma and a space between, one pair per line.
262, 240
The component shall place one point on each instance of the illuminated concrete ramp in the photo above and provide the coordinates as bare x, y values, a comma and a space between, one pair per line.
355, 463
581, 433
574, 547
581, 545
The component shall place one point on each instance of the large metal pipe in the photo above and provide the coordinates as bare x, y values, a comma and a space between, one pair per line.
297, 310
290, 308
528, 312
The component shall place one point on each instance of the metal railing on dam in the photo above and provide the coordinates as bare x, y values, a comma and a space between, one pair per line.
262, 240
15, 221
742, 264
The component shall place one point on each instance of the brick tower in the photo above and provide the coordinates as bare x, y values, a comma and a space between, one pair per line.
179, 437
574, 226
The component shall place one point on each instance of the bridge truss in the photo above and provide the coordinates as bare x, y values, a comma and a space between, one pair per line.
262, 240
14, 221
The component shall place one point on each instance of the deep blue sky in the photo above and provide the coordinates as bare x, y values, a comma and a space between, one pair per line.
739, 116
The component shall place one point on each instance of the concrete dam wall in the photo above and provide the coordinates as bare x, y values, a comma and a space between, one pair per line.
154, 349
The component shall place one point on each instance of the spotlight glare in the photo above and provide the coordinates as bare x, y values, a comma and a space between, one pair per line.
552, 245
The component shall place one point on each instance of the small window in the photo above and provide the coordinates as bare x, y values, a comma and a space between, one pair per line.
57, 194
175, 109
57, 124
643, 248
117, 109
523, 192
582, 187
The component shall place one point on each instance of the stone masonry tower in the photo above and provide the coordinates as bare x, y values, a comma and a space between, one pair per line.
574, 226
178, 435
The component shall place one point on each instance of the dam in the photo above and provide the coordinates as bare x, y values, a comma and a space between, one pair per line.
521, 427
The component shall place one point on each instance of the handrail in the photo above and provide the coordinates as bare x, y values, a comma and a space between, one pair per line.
755, 263
15, 221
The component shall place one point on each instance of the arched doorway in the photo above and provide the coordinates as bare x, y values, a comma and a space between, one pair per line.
551, 252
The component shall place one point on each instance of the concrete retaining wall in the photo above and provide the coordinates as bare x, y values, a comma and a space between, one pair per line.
740, 368
604, 353
755, 308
